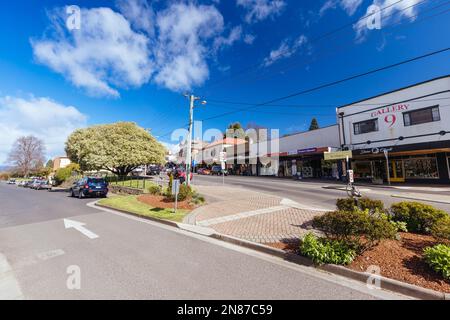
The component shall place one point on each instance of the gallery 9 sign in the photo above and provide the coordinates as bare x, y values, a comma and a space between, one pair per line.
389, 113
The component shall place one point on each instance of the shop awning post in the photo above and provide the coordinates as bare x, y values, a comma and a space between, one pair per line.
386, 155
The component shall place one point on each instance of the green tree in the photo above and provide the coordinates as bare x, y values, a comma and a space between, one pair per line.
314, 124
119, 148
49, 164
63, 174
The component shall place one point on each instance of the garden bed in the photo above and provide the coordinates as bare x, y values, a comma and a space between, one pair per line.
402, 260
133, 205
162, 202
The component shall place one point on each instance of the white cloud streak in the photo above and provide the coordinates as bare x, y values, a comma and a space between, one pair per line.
258, 10
42, 117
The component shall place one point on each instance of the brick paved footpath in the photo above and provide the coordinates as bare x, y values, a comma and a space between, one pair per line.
251, 215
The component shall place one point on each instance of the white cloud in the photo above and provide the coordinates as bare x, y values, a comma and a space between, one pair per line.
392, 11
182, 52
105, 52
258, 10
349, 6
249, 38
286, 49
42, 117
139, 13
115, 51
221, 41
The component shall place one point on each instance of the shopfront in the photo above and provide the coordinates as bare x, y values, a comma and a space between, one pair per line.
415, 166
402, 136
308, 163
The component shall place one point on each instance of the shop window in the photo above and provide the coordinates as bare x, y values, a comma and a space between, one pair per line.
420, 116
365, 126
362, 169
421, 168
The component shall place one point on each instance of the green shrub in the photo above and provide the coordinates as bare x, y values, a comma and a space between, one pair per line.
399, 225
359, 229
348, 204
322, 251
438, 257
197, 199
419, 217
63, 174
441, 229
345, 204
185, 193
154, 189
371, 205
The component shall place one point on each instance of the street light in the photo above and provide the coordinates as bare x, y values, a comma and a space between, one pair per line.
192, 100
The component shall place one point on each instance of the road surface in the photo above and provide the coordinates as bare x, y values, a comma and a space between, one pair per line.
137, 259
313, 194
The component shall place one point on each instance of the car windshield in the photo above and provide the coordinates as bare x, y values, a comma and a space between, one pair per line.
96, 180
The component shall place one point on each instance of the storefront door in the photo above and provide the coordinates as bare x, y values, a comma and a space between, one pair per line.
397, 171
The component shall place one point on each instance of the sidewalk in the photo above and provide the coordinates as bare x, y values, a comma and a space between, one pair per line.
251, 215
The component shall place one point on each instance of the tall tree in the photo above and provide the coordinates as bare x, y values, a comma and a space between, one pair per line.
314, 124
119, 148
49, 164
27, 154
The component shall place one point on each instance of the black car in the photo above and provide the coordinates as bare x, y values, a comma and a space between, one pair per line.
218, 171
89, 187
153, 170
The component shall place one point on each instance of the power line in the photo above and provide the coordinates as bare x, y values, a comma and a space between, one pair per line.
333, 83
270, 73
318, 38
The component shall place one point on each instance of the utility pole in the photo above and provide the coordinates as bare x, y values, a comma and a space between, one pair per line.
192, 100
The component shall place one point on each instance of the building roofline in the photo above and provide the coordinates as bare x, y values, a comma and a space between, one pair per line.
306, 131
396, 90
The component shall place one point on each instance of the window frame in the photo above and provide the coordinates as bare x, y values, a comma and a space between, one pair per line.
421, 109
377, 128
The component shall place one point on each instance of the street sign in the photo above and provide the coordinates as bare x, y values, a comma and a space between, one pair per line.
339, 155
175, 187
223, 157
175, 192
351, 177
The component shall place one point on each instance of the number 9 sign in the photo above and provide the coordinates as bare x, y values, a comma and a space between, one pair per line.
390, 119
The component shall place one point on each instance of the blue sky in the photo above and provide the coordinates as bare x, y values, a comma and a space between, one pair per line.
132, 60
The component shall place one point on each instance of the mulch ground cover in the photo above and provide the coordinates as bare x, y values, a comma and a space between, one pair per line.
398, 259
162, 202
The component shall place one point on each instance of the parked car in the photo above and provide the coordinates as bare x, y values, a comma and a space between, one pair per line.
35, 183
218, 171
153, 170
22, 183
44, 185
89, 187
12, 181
204, 171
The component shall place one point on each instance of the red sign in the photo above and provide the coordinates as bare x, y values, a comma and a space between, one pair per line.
390, 109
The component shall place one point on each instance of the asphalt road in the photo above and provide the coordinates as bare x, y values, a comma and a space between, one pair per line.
137, 259
313, 194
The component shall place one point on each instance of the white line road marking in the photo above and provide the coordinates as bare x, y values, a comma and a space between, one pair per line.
9, 287
241, 215
79, 226
293, 204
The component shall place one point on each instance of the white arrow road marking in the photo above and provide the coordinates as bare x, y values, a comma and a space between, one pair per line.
79, 226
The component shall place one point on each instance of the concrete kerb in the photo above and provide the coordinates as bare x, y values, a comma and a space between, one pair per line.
386, 283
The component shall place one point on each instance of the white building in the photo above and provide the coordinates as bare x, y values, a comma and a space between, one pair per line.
411, 126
